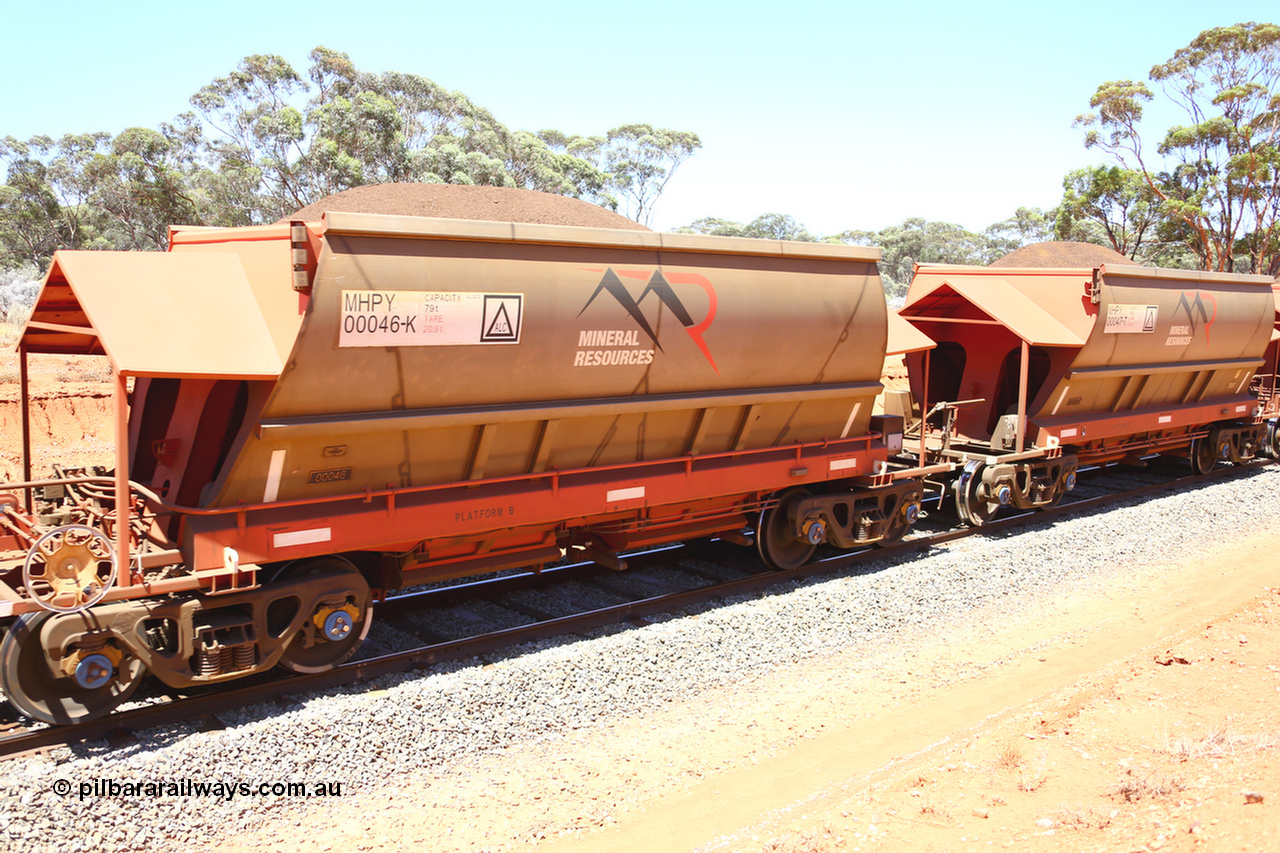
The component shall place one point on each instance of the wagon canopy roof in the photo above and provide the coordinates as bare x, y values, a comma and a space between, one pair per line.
904, 337
995, 297
154, 314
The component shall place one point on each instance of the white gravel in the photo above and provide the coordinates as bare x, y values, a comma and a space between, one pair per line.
362, 736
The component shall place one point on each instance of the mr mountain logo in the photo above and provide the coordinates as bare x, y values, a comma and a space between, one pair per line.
603, 347
1201, 310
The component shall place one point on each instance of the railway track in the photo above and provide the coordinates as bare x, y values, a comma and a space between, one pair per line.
517, 608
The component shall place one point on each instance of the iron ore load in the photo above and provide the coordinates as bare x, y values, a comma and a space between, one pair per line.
312, 413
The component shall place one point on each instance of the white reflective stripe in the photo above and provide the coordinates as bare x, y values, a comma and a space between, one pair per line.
1165, 419
843, 464
1067, 433
848, 425
1240, 408
273, 476
615, 495
302, 537
6, 608
1060, 398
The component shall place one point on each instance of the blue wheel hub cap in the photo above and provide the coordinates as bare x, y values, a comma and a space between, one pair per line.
337, 625
94, 671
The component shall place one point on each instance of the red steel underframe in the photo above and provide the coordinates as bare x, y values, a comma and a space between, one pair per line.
1076, 429
396, 519
1087, 435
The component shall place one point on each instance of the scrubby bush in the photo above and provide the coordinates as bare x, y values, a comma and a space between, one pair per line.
18, 290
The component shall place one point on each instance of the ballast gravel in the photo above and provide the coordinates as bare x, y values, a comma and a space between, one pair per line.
363, 735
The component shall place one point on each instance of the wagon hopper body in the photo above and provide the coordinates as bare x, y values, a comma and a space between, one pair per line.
311, 412
1051, 368
562, 372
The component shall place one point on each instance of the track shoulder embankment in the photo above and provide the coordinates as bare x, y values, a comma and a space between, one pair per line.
1132, 716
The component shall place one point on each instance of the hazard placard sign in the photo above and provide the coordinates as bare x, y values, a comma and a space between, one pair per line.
415, 318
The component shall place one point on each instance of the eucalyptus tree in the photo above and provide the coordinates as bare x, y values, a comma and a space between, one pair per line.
143, 183
1108, 205
264, 140
259, 136
918, 240
1217, 177
640, 160
1027, 225
766, 226
289, 141
46, 202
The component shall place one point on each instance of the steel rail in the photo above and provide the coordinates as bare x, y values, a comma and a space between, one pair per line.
207, 705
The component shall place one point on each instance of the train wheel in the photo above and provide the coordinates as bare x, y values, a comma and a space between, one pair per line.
1054, 499
334, 631
1066, 483
1271, 442
34, 684
973, 509
903, 517
778, 547
1203, 456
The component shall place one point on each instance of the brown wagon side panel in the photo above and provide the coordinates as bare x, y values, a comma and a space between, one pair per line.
1169, 350
606, 351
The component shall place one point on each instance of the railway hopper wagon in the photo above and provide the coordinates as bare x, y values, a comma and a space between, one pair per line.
1042, 370
312, 413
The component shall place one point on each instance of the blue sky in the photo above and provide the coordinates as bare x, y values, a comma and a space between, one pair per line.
843, 115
